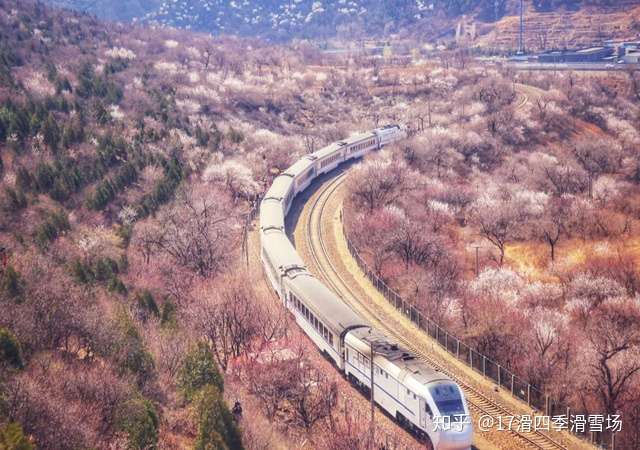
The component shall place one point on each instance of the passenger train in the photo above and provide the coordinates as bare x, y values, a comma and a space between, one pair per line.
414, 393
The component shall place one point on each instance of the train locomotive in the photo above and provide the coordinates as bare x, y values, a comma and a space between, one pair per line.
419, 397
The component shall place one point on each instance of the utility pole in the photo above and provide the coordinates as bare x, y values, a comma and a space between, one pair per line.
477, 247
521, 35
373, 406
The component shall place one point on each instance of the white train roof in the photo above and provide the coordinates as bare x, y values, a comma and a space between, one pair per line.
281, 253
355, 138
280, 187
328, 150
396, 360
326, 305
300, 166
271, 214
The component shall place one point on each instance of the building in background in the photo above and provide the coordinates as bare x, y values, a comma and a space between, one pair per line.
586, 55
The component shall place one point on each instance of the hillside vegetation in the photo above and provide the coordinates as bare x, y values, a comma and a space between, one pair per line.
130, 157
351, 19
542, 177
129, 160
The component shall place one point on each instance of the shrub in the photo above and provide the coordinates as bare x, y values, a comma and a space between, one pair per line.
116, 285
131, 353
15, 200
138, 419
11, 284
102, 270
163, 190
45, 177
10, 350
146, 304
109, 188
51, 228
198, 370
125, 232
12, 438
168, 317
235, 136
216, 426
24, 180
51, 132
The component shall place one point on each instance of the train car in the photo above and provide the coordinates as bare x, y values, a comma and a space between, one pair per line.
303, 172
271, 215
282, 190
408, 389
279, 258
320, 313
360, 144
329, 157
389, 134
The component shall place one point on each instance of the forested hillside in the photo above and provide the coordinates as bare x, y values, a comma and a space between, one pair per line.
129, 160
131, 156
321, 19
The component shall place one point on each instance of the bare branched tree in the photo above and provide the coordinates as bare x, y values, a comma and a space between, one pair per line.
195, 232
293, 386
234, 322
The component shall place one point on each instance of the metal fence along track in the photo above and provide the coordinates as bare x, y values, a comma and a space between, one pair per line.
490, 369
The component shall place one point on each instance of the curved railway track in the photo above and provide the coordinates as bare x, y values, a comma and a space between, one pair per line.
327, 271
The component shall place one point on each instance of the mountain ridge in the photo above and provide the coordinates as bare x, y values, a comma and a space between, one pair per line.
323, 19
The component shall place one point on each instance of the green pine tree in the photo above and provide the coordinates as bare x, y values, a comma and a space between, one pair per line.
12, 438
198, 370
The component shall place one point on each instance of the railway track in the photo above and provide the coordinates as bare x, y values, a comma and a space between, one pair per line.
327, 271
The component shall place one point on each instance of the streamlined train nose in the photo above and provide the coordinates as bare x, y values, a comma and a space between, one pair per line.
456, 439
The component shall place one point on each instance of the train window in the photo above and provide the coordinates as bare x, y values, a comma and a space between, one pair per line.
427, 409
447, 399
